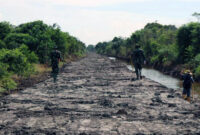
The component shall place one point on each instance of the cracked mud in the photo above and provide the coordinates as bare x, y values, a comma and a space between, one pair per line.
96, 96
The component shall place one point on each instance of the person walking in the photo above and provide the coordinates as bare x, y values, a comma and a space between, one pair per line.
55, 59
187, 84
138, 59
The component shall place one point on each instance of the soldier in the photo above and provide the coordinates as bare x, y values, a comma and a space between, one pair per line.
55, 59
138, 58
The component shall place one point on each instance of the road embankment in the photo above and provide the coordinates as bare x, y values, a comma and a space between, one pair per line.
95, 95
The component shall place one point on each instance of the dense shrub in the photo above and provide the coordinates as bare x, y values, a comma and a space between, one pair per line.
17, 62
90, 48
31, 56
2, 44
5, 29
29, 43
163, 45
197, 72
6, 83
15, 40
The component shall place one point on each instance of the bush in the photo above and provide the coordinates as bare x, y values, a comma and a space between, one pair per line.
5, 29
2, 44
3, 70
17, 62
6, 83
31, 56
90, 48
168, 55
154, 59
15, 40
197, 72
122, 51
197, 59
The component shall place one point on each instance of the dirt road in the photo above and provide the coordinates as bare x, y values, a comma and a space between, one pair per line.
96, 96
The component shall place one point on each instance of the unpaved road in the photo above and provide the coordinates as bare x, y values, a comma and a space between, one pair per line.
96, 96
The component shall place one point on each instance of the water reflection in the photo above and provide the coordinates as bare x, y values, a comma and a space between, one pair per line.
112, 58
157, 76
165, 80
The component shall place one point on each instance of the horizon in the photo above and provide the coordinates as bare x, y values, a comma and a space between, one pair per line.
94, 21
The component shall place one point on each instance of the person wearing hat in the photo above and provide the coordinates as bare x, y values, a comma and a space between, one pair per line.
138, 58
187, 84
55, 59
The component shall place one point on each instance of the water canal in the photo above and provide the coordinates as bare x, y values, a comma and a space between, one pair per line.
166, 80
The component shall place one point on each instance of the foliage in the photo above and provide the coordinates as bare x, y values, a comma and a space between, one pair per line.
197, 15
157, 41
2, 44
163, 45
197, 59
46, 37
15, 40
6, 83
5, 29
31, 56
90, 48
17, 62
29, 43
168, 55
188, 41
195, 62
197, 72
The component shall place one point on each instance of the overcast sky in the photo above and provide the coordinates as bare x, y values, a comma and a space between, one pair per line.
94, 21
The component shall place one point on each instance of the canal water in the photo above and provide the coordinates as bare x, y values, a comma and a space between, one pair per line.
163, 79
157, 76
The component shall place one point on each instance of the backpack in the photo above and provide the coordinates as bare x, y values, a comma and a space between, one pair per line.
55, 55
138, 57
187, 83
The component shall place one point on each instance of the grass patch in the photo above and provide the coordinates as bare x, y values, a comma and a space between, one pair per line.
40, 73
41, 68
2, 90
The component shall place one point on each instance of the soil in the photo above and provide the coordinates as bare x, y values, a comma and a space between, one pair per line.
96, 95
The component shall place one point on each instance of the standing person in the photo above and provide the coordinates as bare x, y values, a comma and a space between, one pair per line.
138, 58
55, 59
187, 84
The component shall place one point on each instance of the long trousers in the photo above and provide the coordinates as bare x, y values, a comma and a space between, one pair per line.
186, 91
138, 70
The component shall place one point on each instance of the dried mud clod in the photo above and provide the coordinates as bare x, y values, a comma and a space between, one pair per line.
95, 96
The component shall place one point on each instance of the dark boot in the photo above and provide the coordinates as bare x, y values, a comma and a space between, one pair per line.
137, 72
188, 99
140, 74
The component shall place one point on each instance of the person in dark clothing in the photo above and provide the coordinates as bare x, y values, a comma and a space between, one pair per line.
187, 84
55, 59
138, 58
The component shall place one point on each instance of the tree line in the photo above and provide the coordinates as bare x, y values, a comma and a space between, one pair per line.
163, 45
23, 45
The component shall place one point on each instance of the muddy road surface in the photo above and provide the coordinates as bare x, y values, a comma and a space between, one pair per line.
96, 96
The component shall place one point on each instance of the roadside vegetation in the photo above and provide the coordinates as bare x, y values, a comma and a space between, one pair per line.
25, 50
165, 46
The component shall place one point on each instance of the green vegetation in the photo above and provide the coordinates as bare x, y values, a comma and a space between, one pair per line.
24, 46
90, 48
163, 45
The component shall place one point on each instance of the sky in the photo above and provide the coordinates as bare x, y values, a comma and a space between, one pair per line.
93, 21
